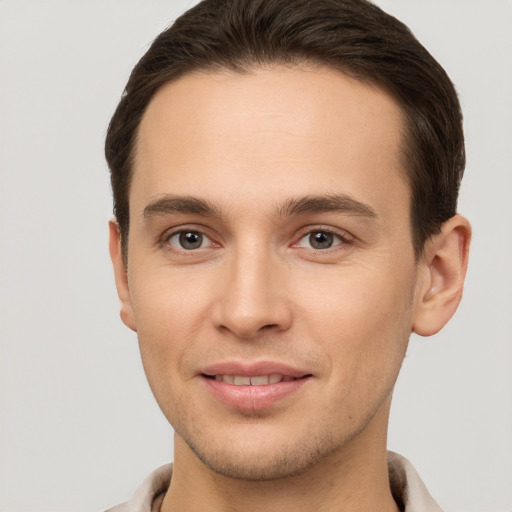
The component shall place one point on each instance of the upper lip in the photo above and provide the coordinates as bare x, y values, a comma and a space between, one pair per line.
253, 369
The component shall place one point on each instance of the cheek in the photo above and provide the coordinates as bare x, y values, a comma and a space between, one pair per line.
166, 302
165, 332
362, 318
169, 312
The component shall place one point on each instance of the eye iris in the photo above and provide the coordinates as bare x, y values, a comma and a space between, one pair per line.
321, 240
191, 240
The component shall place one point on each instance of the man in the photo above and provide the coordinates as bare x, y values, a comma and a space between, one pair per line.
285, 178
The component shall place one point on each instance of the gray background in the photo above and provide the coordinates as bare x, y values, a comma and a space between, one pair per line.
79, 428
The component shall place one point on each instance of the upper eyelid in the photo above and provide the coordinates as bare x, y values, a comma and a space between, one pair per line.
346, 240
167, 233
174, 231
342, 233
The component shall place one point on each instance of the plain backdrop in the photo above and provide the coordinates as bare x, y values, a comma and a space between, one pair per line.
79, 427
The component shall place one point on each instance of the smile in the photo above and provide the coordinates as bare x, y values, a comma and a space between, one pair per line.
254, 390
259, 380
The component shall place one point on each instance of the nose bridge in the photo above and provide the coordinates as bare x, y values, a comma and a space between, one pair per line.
253, 297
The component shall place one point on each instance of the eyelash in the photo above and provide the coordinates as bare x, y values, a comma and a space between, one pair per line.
343, 239
165, 240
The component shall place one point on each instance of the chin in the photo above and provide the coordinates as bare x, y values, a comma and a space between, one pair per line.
259, 466
265, 458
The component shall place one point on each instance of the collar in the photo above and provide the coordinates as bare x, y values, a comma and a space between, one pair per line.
407, 487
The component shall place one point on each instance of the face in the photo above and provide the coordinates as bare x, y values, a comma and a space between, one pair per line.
271, 276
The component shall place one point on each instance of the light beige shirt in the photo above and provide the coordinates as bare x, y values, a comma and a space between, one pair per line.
408, 490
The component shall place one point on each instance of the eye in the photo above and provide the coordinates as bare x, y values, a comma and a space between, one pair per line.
320, 239
188, 240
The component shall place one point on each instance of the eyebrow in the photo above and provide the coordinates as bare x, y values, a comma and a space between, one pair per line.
169, 204
337, 203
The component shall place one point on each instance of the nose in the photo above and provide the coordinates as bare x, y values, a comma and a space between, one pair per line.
253, 298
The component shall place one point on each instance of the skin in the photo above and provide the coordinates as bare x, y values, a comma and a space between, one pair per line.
251, 146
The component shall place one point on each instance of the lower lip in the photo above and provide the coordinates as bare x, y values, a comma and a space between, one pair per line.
253, 398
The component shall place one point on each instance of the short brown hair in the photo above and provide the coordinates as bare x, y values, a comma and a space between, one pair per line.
352, 36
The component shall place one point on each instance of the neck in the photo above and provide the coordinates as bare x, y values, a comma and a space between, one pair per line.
353, 478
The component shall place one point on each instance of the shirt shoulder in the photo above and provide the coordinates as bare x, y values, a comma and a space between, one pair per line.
407, 487
147, 497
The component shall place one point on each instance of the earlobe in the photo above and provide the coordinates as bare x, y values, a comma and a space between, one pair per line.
120, 275
445, 262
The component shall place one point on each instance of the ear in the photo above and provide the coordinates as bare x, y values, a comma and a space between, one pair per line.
445, 260
120, 274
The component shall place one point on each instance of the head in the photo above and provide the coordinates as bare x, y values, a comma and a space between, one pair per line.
285, 178
353, 37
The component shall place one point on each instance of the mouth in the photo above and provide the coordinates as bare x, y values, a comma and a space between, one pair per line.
256, 380
254, 387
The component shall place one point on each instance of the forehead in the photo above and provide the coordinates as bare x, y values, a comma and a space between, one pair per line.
272, 131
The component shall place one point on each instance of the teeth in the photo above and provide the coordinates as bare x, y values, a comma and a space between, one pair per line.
242, 381
274, 378
260, 380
